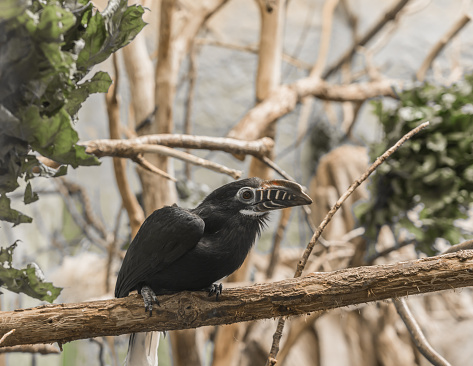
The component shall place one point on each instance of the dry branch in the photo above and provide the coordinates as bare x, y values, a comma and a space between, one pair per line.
252, 49
123, 148
285, 98
441, 43
391, 14
314, 292
44, 349
130, 202
417, 336
167, 151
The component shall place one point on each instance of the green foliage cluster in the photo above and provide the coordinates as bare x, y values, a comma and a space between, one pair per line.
27, 280
428, 183
47, 47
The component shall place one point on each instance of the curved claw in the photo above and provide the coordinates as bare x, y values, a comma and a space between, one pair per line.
148, 297
215, 288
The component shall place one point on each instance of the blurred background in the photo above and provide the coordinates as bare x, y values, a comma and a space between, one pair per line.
203, 73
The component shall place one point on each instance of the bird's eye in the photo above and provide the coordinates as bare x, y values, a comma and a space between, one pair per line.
246, 194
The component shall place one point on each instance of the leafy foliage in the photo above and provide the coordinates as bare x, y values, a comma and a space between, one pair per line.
47, 48
427, 184
28, 280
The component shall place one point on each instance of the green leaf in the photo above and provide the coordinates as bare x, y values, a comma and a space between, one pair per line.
99, 83
46, 48
11, 215
103, 37
30, 196
28, 280
54, 21
55, 138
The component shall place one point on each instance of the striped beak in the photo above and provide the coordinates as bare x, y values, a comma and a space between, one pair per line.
277, 194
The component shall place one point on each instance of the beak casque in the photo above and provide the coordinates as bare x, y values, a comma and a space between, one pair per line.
278, 193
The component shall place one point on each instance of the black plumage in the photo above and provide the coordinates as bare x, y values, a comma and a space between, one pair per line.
178, 249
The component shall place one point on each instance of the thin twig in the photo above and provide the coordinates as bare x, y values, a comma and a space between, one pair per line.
418, 337
77, 217
324, 45
43, 349
386, 251
132, 206
316, 71
300, 266
145, 164
382, 21
89, 214
192, 74
462, 246
6, 335
252, 49
302, 37
167, 151
441, 43
99, 343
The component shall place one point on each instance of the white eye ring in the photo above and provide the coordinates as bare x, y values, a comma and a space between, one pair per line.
246, 195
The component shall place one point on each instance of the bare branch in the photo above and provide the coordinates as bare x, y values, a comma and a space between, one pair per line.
382, 21
418, 337
285, 98
316, 291
6, 335
252, 49
260, 147
462, 246
167, 151
327, 20
44, 349
145, 164
441, 43
77, 217
130, 202
305, 257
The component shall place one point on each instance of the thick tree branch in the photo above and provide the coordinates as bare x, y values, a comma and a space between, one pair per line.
124, 148
285, 98
316, 291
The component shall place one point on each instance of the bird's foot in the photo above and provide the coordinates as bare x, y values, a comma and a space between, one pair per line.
215, 288
149, 297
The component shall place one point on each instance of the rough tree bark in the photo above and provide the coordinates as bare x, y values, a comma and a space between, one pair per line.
296, 296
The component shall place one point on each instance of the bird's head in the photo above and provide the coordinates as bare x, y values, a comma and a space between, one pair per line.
254, 197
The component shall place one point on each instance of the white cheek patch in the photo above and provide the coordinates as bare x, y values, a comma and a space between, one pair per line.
247, 212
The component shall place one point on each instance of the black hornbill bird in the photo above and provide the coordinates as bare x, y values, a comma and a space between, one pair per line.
178, 249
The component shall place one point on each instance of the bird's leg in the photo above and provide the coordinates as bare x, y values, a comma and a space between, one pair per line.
148, 297
215, 288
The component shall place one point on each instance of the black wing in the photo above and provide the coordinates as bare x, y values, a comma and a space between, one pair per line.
165, 236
